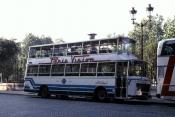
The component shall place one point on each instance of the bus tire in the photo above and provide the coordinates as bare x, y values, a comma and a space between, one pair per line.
100, 94
44, 93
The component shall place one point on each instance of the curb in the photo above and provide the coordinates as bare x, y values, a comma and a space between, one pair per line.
151, 102
16, 93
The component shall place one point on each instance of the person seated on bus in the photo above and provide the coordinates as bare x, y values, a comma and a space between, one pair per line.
84, 51
93, 50
75, 52
109, 50
103, 50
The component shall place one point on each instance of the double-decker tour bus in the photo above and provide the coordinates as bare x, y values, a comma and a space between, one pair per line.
100, 68
165, 69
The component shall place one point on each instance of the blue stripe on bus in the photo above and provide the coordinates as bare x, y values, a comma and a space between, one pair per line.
75, 88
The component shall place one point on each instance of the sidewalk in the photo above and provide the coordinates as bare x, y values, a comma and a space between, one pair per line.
152, 101
16, 92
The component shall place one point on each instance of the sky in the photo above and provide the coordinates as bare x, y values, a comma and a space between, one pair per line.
73, 20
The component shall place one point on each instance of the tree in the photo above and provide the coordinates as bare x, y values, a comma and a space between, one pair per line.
169, 28
8, 57
59, 40
31, 40
153, 32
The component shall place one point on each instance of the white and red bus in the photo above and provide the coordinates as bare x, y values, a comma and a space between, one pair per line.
165, 69
99, 68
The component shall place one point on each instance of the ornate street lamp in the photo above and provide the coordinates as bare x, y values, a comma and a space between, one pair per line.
142, 24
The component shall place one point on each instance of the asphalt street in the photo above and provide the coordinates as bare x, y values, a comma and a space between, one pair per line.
32, 106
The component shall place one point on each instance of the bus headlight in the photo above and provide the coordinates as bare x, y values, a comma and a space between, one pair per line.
139, 92
27, 85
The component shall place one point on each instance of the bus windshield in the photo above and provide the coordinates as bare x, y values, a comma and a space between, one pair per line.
168, 48
136, 68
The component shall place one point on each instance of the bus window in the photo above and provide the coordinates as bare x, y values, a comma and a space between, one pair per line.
74, 49
32, 70
112, 45
136, 68
46, 51
126, 45
35, 52
88, 69
60, 50
86, 47
32, 53
91, 47
58, 70
94, 47
168, 48
72, 69
44, 70
106, 69
104, 46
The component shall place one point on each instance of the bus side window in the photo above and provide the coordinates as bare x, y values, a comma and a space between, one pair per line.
32, 53
106, 69
112, 45
46, 51
88, 69
105, 46
58, 70
72, 69
60, 50
86, 48
44, 70
32, 70
38, 52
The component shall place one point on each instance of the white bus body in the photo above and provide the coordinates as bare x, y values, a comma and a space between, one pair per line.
165, 69
102, 74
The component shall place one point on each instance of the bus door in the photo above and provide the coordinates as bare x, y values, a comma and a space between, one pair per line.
121, 79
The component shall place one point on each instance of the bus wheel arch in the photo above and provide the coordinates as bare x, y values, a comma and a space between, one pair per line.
100, 93
44, 91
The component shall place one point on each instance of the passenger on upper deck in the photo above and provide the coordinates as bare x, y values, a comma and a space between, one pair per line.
93, 50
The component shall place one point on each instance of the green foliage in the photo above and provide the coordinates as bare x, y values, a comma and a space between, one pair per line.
59, 40
31, 40
8, 49
152, 33
169, 28
8, 57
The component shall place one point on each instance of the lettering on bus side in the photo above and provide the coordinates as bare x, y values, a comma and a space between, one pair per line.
168, 77
74, 59
56, 60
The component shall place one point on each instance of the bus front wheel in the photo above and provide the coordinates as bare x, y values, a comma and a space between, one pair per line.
44, 93
100, 94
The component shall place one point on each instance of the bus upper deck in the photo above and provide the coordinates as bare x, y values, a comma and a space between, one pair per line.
97, 46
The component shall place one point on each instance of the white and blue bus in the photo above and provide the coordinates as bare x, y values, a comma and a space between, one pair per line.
100, 68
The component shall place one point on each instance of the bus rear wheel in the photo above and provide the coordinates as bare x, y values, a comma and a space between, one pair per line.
101, 95
44, 93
